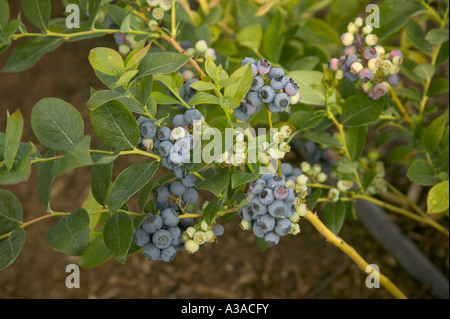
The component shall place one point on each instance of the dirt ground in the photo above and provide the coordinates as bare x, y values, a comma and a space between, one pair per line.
305, 266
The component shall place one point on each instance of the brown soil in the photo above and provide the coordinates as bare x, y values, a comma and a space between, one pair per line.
305, 266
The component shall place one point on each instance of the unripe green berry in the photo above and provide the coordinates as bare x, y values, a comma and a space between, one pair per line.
190, 231
347, 39
334, 194
356, 68
374, 64
201, 46
359, 22
147, 143
191, 52
317, 168
124, 49
322, 177
371, 39
302, 180
305, 167
210, 237
352, 28
153, 25
286, 131
295, 229
199, 237
204, 225
158, 14
344, 185
191, 246
295, 217
302, 210
245, 225
290, 183
367, 29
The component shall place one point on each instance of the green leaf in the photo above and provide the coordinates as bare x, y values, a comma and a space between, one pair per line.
303, 120
359, 110
136, 56
425, 71
438, 86
115, 125
164, 99
37, 12
437, 200
356, 140
4, 13
417, 36
319, 32
118, 235
45, 179
14, 128
107, 61
334, 216
29, 52
422, 173
11, 212
240, 89
20, 172
214, 182
129, 182
321, 137
101, 97
211, 69
306, 63
101, 177
437, 36
311, 202
78, 156
432, 136
240, 178
250, 36
310, 89
11, 247
273, 40
204, 98
347, 167
70, 235
56, 124
369, 177
94, 7
203, 86
211, 210
161, 63
394, 14
96, 253
125, 79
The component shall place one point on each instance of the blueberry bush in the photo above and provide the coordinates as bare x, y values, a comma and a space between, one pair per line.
345, 79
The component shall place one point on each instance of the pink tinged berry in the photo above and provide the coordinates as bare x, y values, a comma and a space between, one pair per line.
254, 69
347, 39
211, 53
291, 89
372, 95
280, 192
380, 89
350, 50
334, 64
365, 75
395, 53
394, 79
352, 58
370, 53
263, 66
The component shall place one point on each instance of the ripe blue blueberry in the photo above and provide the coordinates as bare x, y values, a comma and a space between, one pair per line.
186, 44
248, 108
246, 213
278, 208
266, 196
283, 227
176, 235
275, 181
179, 120
189, 180
257, 186
177, 188
350, 76
272, 239
240, 115
190, 196
253, 98
141, 237
278, 82
165, 148
175, 159
267, 176
276, 72
282, 100
164, 133
257, 207
370, 53
394, 79
169, 217
162, 239
247, 61
218, 230
267, 94
286, 169
148, 129
259, 232
152, 223
292, 209
266, 222
162, 194
192, 116
257, 83
151, 252
275, 109
291, 197
187, 222
168, 254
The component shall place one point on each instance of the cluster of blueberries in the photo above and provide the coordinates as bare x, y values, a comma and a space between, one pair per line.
367, 61
173, 145
274, 206
270, 85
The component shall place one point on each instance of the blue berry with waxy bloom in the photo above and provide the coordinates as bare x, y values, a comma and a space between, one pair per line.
162, 194
162, 239
168, 254
278, 208
190, 196
275, 109
141, 237
394, 79
266, 196
257, 186
266, 222
193, 116
278, 82
370, 53
247, 61
177, 188
267, 94
258, 231
275, 181
276, 72
282, 100
218, 230
189, 180
164, 133
151, 252
246, 213
272, 239
283, 227
179, 120
176, 234
257, 207
240, 115
253, 98
148, 129
165, 148
152, 223
257, 83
